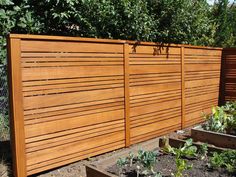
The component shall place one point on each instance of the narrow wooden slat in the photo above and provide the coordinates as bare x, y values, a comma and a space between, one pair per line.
81, 97
74, 122
182, 88
61, 72
51, 46
16, 104
127, 95
154, 50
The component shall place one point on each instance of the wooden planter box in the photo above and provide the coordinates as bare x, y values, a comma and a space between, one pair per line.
97, 168
214, 138
174, 142
92, 171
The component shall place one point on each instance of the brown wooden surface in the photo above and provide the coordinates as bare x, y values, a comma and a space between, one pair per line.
228, 75
202, 80
155, 91
214, 138
175, 142
16, 107
182, 89
127, 95
79, 97
92, 171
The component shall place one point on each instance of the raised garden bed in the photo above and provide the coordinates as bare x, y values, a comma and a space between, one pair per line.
177, 142
165, 165
215, 138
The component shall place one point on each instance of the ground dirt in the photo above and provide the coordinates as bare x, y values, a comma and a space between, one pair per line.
77, 169
166, 165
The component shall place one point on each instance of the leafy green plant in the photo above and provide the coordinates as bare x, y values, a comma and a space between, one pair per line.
230, 109
216, 121
222, 119
144, 161
226, 159
131, 159
147, 159
188, 150
203, 150
181, 166
121, 162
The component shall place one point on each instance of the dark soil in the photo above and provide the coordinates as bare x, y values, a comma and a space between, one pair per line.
166, 165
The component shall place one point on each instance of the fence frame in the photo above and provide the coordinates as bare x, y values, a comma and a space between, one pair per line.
16, 95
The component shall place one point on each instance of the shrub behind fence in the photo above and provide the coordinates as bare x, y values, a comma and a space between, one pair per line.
4, 119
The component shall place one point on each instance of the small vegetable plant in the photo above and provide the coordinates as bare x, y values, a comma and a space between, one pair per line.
121, 162
226, 159
144, 160
187, 151
181, 166
203, 150
222, 119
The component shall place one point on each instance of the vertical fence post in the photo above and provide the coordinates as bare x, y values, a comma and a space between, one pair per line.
16, 108
222, 78
182, 89
127, 96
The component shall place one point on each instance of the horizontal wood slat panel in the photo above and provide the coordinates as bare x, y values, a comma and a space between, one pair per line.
83, 97
202, 81
228, 77
51, 46
155, 88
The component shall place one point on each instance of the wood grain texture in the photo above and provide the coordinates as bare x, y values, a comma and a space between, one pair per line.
127, 95
228, 75
16, 107
155, 91
182, 89
77, 97
73, 98
202, 81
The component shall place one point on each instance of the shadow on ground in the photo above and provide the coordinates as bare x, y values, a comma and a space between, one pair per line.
5, 159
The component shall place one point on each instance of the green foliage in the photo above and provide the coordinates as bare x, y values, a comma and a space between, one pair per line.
216, 121
203, 150
144, 160
222, 119
226, 159
181, 166
189, 151
147, 159
171, 21
223, 15
121, 162
183, 21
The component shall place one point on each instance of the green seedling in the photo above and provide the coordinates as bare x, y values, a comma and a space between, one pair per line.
203, 150
181, 166
226, 159
131, 159
121, 162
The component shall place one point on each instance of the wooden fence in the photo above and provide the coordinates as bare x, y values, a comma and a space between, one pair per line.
72, 98
228, 75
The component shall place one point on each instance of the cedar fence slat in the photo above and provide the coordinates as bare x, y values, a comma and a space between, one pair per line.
97, 95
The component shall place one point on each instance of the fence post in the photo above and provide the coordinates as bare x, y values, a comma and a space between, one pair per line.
182, 89
16, 108
127, 96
